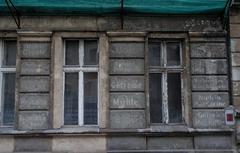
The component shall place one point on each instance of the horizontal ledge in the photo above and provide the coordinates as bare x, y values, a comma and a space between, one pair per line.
128, 34
170, 151
208, 58
96, 131
207, 34
34, 33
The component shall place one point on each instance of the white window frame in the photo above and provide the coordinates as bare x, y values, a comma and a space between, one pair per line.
164, 69
81, 68
3, 69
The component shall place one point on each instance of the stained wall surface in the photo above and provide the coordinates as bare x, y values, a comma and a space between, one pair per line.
124, 124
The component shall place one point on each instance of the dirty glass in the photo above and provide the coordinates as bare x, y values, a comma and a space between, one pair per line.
154, 54
10, 50
155, 93
71, 99
174, 97
173, 54
90, 52
8, 98
71, 52
90, 98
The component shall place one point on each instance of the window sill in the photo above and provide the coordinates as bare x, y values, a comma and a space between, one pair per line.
182, 128
6, 129
97, 131
77, 129
169, 128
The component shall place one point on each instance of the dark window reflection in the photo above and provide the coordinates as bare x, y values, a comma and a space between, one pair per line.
90, 52
173, 54
72, 52
154, 54
10, 50
90, 98
174, 97
155, 91
8, 98
71, 99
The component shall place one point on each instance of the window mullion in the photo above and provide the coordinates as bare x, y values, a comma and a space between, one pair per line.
80, 99
1, 98
165, 98
1, 52
181, 55
164, 52
81, 52
1, 83
164, 85
81, 84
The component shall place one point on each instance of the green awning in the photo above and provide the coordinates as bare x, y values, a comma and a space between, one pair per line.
98, 7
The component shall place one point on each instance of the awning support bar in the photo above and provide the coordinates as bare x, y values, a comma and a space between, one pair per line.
14, 12
122, 14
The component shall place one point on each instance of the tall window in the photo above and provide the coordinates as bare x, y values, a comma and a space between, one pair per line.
165, 71
8, 49
81, 82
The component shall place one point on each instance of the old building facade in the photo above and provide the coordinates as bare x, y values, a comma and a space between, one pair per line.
96, 84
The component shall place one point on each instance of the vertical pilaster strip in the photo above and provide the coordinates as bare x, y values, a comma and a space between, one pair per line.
57, 77
103, 81
33, 80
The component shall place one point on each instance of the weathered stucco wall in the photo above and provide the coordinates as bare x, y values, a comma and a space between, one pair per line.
235, 52
125, 126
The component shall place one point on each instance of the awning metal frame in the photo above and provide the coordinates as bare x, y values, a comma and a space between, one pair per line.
14, 12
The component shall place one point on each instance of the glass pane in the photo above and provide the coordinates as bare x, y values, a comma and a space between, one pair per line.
173, 54
174, 97
72, 52
71, 99
90, 98
8, 98
90, 52
155, 93
10, 50
154, 54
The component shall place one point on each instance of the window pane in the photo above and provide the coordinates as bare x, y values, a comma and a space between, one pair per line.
90, 52
155, 93
173, 54
72, 52
174, 97
154, 54
71, 99
90, 98
8, 98
10, 50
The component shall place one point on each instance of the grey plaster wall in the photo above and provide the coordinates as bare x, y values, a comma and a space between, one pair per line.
111, 23
127, 85
209, 82
128, 128
235, 54
34, 86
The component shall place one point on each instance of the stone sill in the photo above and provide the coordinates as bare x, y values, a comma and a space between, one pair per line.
96, 131
171, 151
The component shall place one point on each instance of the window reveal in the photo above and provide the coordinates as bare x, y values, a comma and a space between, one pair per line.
7, 81
81, 82
165, 71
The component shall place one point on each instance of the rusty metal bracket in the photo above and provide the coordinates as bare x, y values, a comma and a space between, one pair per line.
122, 14
14, 12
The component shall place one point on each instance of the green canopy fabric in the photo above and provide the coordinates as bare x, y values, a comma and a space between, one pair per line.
99, 7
